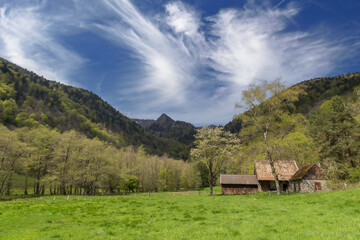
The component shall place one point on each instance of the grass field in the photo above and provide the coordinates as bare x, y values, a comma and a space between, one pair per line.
332, 215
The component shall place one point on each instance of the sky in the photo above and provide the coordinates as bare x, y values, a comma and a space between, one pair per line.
190, 59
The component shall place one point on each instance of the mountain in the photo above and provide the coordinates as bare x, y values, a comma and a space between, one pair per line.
166, 127
317, 90
144, 123
27, 99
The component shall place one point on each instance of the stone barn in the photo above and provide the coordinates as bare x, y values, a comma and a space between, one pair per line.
284, 169
238, 184
310, 178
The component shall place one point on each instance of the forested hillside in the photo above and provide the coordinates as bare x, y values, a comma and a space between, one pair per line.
316, 121
321, 89
30, 100
317, 91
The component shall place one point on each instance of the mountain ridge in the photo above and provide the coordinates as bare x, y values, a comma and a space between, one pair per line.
30, 99
317, 90
165, 126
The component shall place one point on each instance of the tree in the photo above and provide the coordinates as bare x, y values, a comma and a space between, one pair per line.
214, 147
130, 183
40, 157
23, 119
190, 178
268, 106
336, 132
91, 165
8, 111
164, 178
355, 106
66, 152
11, 151
298, 146
114, 169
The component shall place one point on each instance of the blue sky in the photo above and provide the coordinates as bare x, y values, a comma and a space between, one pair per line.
190, 59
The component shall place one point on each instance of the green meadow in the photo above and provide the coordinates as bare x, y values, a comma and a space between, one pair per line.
331, 215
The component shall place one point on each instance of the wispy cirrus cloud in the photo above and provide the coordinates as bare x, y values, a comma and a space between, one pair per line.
237, 47
252, 43
28, 39
183, 20
188, 65
167, 70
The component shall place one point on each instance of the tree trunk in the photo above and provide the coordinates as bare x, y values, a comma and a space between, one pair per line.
2, 185
63, 188
111, 188
9, 184
210, 182
37, 192
37, 189
277, 183
8, 188
26, 185
278, 189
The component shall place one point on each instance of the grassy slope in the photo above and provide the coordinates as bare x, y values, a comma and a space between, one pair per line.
332, 215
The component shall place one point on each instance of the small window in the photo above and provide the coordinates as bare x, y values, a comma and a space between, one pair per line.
317, 186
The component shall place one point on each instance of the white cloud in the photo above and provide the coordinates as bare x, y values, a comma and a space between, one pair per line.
238, 47
27, 40
167, 67
190, 66
181, 19
251, 44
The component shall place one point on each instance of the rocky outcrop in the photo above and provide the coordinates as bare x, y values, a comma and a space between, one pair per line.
166, 127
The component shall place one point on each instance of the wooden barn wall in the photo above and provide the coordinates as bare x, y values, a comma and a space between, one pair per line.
238, 189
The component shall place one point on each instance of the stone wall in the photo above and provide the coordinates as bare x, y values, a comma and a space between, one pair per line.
306, 186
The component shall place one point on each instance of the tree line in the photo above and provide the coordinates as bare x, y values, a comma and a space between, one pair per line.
71, 163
